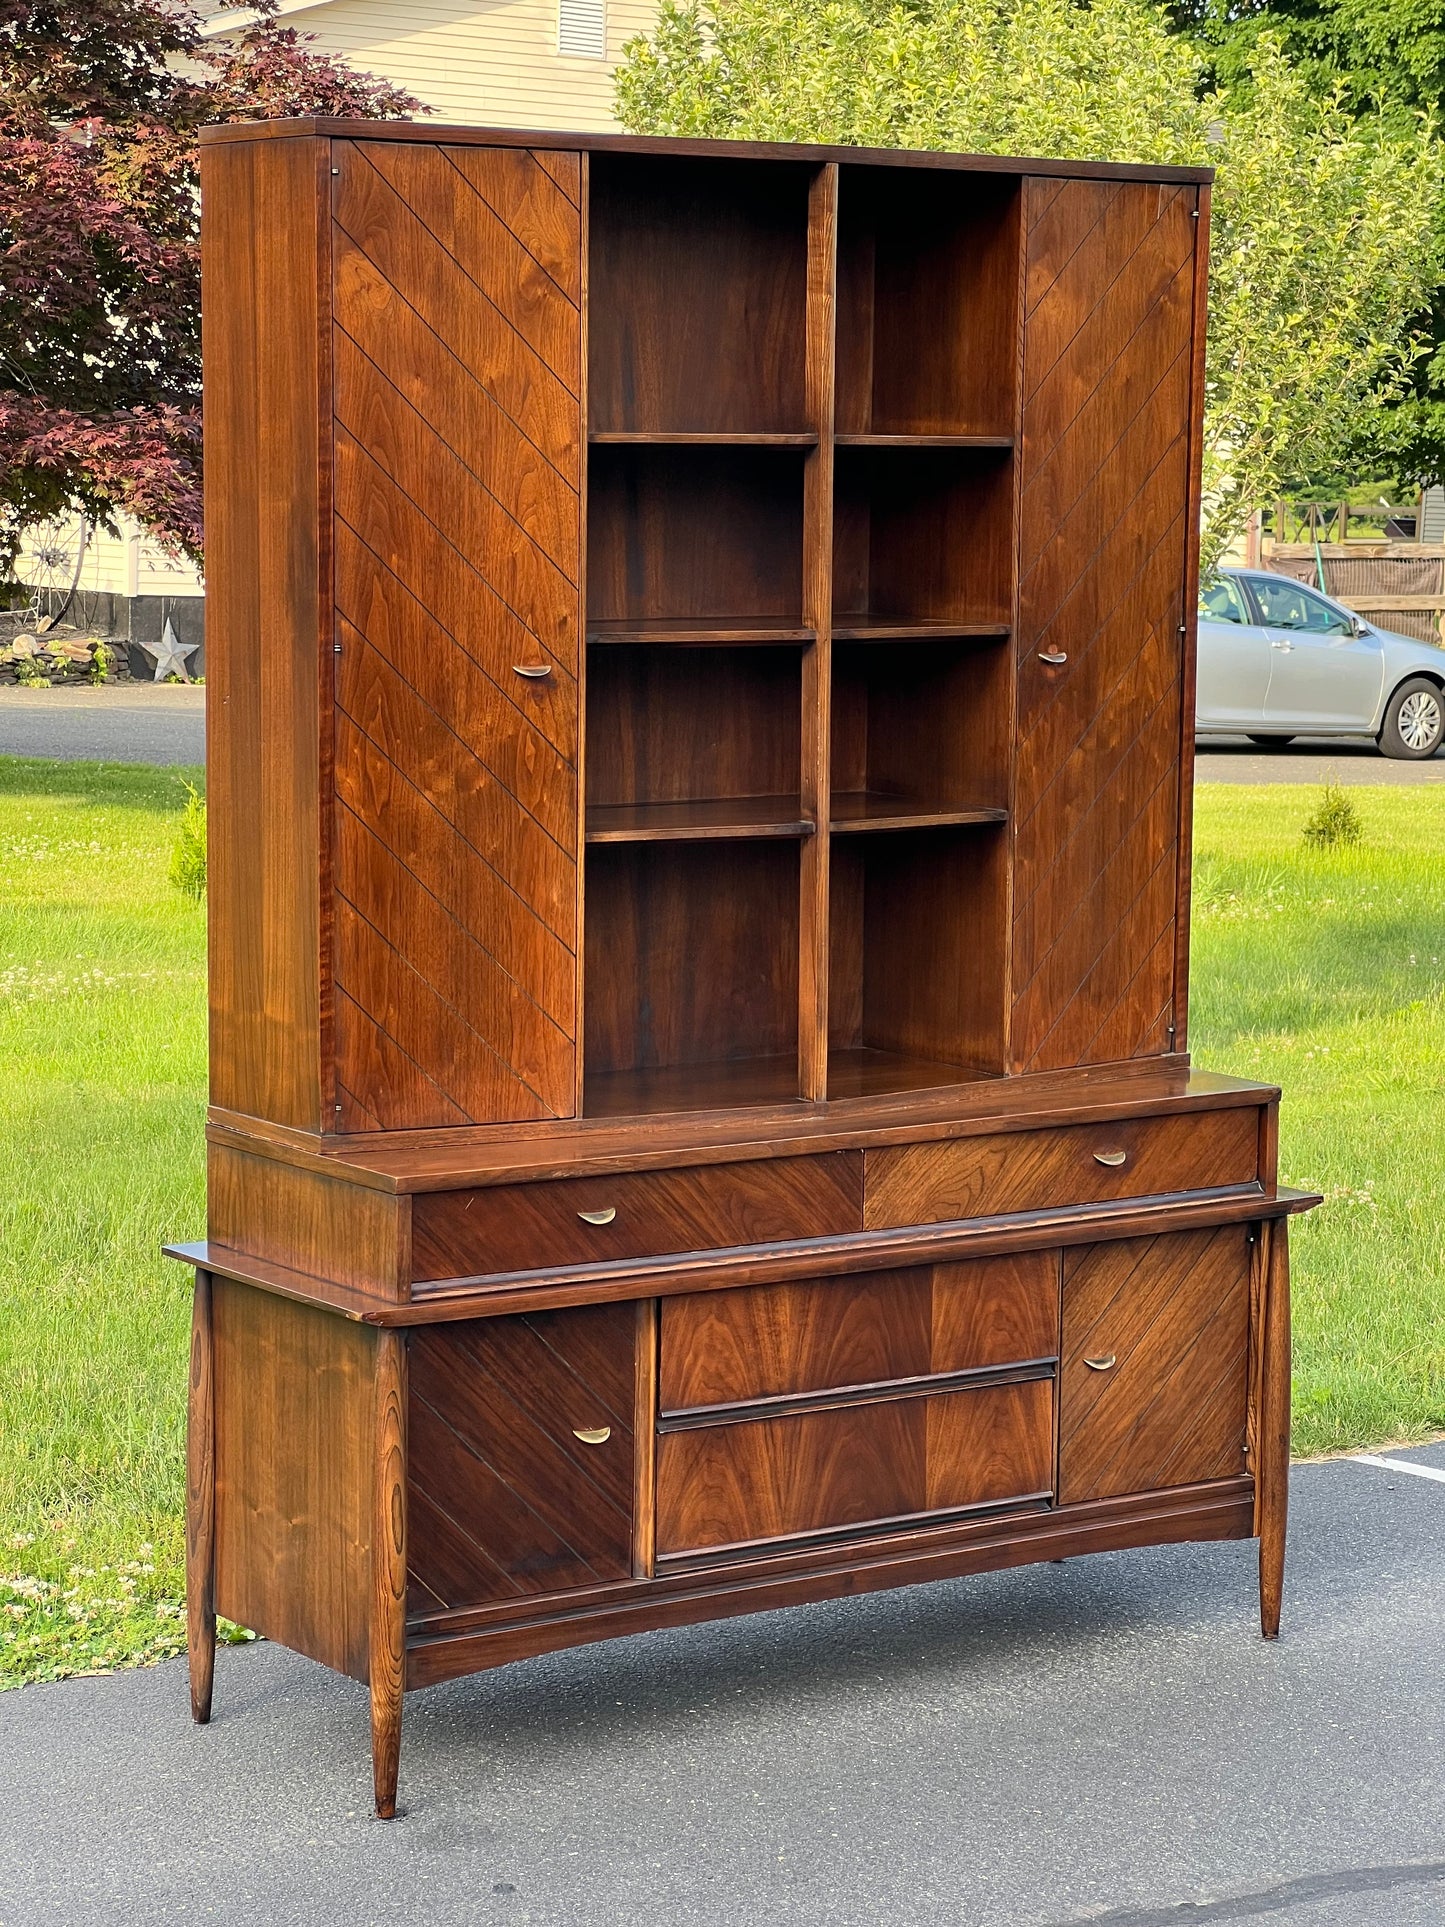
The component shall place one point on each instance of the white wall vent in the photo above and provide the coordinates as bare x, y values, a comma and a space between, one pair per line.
582, 28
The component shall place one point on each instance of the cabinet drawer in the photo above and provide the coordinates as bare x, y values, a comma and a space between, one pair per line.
769, 1341
1155, 1365
979, 1177
850, 1467
639, 1214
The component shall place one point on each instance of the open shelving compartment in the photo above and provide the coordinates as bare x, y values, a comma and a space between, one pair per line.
799, 589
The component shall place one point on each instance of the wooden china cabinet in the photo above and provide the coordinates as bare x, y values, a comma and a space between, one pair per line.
701, 647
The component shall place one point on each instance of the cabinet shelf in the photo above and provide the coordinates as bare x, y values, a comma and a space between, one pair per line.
697, 631
692, 1087
702, 438
853, 440
725, 818
860, 1072
876, 626
854, 811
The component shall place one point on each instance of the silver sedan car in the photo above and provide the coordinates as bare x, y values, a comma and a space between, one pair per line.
1278, 660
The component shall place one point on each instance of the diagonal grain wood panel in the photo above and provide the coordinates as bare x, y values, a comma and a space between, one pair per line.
1105, 487
401, 239
432, 373
512, 731
506, 1499
419, 833
1173, 1312
456, 348
418, 561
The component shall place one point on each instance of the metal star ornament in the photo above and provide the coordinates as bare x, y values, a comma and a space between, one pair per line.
170, 654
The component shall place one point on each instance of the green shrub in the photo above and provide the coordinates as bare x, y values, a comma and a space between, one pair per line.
1335, 823
188, 857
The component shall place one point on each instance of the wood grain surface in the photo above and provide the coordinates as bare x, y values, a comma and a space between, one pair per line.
387, 1659
727, 1346
1271, 1458
265, 272
1105, 486
776, 1478
309, 1221
1078, 1164
1173, 1314
201, 1504
697, 279
457, 345
505, 1499
294, 1473
529, 1227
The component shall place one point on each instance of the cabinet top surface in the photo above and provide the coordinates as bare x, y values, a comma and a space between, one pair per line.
433, 134
435, 1160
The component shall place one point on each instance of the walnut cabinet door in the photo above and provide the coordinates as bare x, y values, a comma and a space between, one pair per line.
1155, 1364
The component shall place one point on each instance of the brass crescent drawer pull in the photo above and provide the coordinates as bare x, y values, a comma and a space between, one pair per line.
1055, 658
1111, 1158
1104, 1364
598, 1217
533, 671
592, 1434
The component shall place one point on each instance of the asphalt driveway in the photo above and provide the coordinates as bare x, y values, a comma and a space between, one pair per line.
129, 722
1105, 1741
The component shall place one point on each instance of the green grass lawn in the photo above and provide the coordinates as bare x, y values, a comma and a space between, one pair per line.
1323, 972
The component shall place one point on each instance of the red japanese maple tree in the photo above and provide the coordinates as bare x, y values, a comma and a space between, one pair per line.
100, 366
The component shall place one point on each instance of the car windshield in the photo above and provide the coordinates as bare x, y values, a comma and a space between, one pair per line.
1221, 601
1288, 606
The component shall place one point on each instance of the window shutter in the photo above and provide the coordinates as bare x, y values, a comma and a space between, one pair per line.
582, 28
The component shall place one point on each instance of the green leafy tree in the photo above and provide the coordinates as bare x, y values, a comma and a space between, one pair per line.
1324, 242
1380, 58
100, 349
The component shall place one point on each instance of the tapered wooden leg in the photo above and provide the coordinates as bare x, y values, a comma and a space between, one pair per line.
201, 1505
388, 1568
1272, 1464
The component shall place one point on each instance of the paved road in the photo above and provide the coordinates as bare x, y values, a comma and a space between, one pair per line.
1229, 759
1105, 1741
122, 723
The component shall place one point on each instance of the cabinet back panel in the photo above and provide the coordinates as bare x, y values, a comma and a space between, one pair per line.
698, 277
694, 532
923, 535
1104, 512
692, 953
915, 953
456, 350
667, 725
928, 274
926, 721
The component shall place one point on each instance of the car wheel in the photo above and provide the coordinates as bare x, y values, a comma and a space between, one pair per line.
1414, 721
1271, 742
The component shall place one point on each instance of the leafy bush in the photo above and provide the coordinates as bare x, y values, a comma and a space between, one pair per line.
1335, 823
188, 857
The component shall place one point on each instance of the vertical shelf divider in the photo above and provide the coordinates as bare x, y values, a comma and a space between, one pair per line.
821, 352
1025, 203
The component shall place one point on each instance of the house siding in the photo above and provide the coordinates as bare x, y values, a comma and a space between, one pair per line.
495, 66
